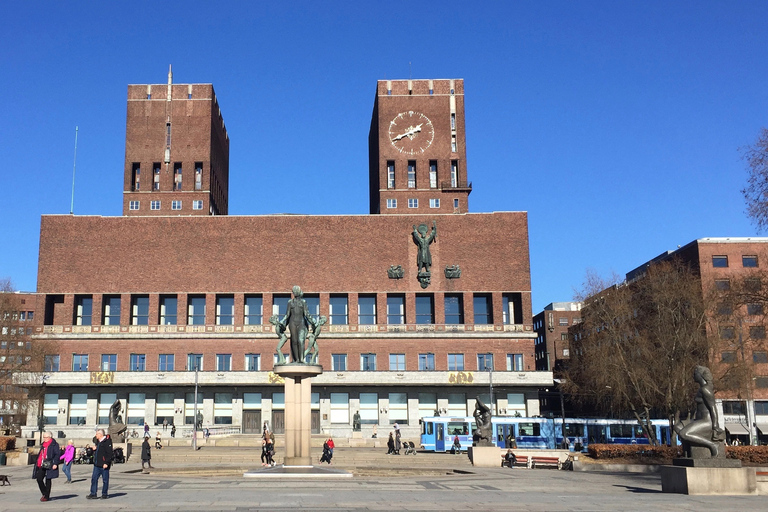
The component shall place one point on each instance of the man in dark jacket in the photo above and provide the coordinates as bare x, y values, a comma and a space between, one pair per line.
146, 454
102, 460
47, 466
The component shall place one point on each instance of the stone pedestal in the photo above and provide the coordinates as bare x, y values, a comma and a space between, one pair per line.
484, 456
708, 480
298, 403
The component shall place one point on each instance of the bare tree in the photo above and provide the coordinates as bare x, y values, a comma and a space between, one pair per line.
638, 343
756, 191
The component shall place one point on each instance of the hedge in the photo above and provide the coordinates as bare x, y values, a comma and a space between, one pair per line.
747, 454
7, 443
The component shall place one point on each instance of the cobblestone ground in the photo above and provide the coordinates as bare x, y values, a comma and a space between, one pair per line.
483, 489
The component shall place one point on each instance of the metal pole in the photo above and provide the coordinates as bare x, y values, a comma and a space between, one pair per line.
194, 418
490, 374
562, 412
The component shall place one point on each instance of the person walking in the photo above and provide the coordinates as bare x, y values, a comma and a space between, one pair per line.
67, 457
398, 443
165, 424
102, 461
173, 430
146, 453
146, 428
158, 442
331, 446
390, 445
263, 451
47, 466
270, 447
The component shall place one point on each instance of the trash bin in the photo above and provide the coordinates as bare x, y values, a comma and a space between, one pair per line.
2, 458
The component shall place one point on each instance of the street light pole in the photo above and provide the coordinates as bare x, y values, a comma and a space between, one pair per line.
194, 417
490, 375
559, 383
41, 416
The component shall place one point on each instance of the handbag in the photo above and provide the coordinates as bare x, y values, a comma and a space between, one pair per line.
46, 464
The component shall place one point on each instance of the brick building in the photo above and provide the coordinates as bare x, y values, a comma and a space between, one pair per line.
136, 303
551, 326
17, 316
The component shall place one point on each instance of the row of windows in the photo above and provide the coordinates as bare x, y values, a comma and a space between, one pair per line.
756, 332
757, 357
13, 331
748, 261
414, 203
411, 174
22, 316
339, 313
155, 178
157, 205
223, 362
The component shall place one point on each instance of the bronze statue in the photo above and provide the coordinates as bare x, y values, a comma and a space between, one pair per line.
703, 430
116, 428
297, 319
314, 331
423, 257
483, 428
280, 330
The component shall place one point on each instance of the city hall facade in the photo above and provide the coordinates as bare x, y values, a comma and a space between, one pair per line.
427, 302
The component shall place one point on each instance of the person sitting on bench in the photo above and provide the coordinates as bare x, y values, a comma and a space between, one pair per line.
509, 459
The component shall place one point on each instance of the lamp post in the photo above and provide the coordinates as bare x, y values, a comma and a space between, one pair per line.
41, 416
194, 417
559, 383
490, 381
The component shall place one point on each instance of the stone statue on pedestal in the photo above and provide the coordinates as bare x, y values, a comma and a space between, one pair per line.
703, 431
483, 435
117, 428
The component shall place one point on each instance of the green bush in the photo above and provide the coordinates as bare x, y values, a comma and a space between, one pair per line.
7, 443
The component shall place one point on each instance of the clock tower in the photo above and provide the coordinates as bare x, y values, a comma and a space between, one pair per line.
417, 148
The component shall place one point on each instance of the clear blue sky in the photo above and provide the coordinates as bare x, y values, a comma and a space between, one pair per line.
615, 125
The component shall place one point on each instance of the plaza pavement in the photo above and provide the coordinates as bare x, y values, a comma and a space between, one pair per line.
395, 489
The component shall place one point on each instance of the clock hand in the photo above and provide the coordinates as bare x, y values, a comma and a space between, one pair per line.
410, 131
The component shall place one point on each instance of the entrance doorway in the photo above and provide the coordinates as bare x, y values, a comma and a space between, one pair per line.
252, 422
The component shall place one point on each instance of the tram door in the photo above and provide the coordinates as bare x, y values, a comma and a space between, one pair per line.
595, 433
502, 431
439, 437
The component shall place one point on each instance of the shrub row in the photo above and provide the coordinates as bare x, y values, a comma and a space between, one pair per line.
7, 443
747, 454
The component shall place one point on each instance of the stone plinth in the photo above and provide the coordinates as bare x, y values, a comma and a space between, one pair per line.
484, 456
708, 481
720, 462
298, 403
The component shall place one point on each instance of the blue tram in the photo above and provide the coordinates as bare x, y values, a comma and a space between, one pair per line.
438, 433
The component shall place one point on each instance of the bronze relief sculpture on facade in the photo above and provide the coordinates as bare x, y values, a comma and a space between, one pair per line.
423, 256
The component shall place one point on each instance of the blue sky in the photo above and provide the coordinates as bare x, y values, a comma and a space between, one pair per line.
615, 125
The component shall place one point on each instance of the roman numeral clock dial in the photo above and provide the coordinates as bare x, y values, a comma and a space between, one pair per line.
411, 132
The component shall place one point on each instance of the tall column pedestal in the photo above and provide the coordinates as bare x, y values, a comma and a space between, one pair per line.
298, 416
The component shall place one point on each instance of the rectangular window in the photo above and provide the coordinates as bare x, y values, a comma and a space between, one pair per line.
722, 285
105, 402
754, 308
390, 174
454, 147
454, 173
426, 362
199, 177
313, 304
484, 362
749, 261
434, 203
432, 174
253, 310
138, 362
757, 332
369, 408
733, 407
482, 307
109, 362
398, 408
111, 310
753, 284
135, 409
339, 362
177, 176
512, 308
50, 408
453, 120
156, 177
515, 363
223, 362
166, 362
413, 203
760, 357
729, 357
368, 362
133, 205
222, 408
194, 362
51, 363
727, 333
252, 362
225, 310
562, 321
176, 205
83, 310
280, 304
78, 407
719, 261
196, 310
425, 309
395, 309
411, 174
761, 382
136, 176
366, 310
339, 312
455, 362
340, 408
154, 205
140, 310
391, 203
168, 305
79, 362
396, 362
454, 309
165, 408
197, 205
455, 204
189, 407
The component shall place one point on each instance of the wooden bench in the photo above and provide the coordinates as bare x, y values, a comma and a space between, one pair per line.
520, 460
4, 479
546, 461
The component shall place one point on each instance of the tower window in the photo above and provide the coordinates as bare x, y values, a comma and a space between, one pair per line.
391, 203
133, 205
390, 174
154, 205
432, 174
454, 173
197, 205
136, 175
175, 205
177, 176
413, 203
411, 174
156, 176
434, 203
453, 120
198, 175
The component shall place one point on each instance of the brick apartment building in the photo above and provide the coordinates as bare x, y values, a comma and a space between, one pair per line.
136, 303
551, 327
17, 316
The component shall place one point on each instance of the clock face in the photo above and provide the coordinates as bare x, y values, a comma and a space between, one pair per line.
411, 132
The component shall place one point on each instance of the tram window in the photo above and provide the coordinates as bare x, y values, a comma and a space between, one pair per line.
618, 430
457, 429
574, 429
529, 429
639, 432
430, 428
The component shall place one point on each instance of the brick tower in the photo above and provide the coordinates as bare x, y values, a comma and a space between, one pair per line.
417, 148
176, 151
